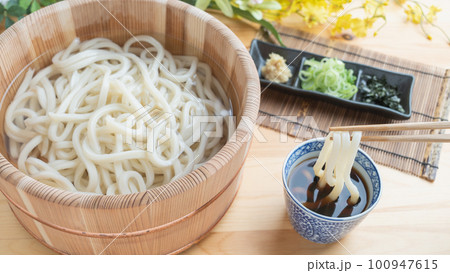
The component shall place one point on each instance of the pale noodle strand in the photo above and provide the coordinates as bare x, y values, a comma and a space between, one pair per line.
335, 162
107, 119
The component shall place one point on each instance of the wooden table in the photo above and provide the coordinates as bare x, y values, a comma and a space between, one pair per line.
413, 216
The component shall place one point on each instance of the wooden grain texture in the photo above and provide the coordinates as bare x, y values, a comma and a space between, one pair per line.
441, 138
395, 126
411, 218
161, 220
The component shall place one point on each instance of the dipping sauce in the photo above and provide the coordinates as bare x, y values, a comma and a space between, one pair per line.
303, 184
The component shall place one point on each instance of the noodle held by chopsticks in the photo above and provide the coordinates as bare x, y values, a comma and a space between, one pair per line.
335, 162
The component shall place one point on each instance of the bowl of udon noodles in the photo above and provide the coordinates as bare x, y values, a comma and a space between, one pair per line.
124, 124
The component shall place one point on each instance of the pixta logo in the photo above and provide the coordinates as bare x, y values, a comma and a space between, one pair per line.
148, 128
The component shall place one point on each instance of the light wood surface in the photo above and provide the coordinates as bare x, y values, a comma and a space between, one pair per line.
411, 218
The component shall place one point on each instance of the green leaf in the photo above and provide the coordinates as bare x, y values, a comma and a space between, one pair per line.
25, 3
190, 2
12, 3
1, 17
8, 22
271, 5
2, 9
225, 7
45, 3
272, 30
257, 14
266, 24
247, 15
202, 4
16, 11
35, 6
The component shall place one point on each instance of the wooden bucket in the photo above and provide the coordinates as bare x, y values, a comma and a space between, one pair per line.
162, 220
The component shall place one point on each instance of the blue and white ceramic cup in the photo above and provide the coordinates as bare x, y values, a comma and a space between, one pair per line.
316, 227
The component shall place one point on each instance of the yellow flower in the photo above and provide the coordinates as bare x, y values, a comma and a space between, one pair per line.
342, 22
314, 12
370, 21
337, 5
414, 14
359, 26
256, 7
375, 7
287, 8
431, 15
401, 2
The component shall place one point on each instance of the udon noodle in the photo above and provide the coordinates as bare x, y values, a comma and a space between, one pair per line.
108, 119
335, 162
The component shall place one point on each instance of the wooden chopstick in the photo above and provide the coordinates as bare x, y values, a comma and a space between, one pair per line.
409, 138
401, 127
395, 126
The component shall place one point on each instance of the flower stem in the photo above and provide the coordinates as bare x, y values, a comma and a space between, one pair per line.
352, 9
384, 23
431, 23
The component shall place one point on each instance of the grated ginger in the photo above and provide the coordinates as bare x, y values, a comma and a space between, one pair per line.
276, 69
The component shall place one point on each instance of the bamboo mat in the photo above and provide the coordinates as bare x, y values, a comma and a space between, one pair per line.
306, 118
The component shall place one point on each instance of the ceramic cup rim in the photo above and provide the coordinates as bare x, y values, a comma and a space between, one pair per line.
324, 217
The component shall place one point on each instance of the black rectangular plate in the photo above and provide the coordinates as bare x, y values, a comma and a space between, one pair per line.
260, 51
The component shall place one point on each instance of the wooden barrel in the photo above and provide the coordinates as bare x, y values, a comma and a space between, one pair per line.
167, 219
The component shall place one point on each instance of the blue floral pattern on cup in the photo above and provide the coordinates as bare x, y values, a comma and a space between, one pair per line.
316, 227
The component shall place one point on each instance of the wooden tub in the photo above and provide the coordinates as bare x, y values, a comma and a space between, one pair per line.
162, 220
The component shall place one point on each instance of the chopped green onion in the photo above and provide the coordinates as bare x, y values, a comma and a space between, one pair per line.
329, 76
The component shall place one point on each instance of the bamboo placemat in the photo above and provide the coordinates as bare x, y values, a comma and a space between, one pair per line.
305, 118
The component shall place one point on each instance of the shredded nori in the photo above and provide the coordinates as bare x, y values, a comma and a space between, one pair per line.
377, 91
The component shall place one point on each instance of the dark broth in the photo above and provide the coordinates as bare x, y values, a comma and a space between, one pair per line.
303, 184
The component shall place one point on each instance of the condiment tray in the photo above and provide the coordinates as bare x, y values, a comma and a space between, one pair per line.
295, 59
